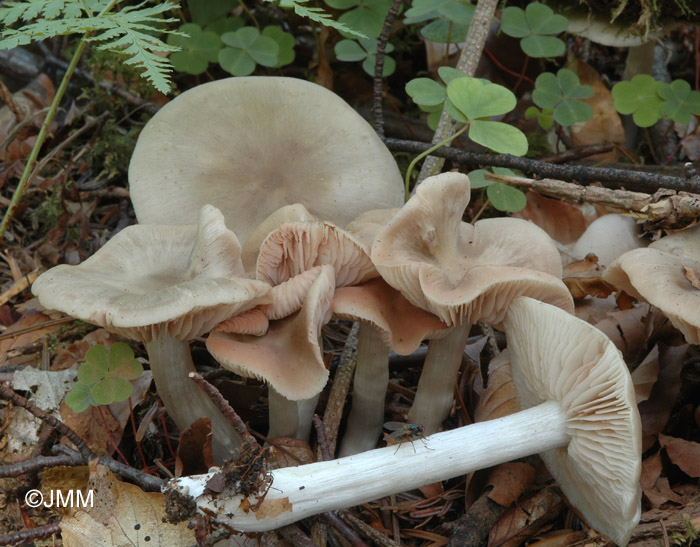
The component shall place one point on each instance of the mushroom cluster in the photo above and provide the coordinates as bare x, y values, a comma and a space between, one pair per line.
316, 202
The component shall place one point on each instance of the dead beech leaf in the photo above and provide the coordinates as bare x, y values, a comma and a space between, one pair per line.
122, 514
75, 353
194, 453
33, 320
524, 519
562, 538
605, 125
583, 278
94, 428
692, 276
651, 471
645, 375
498, 399
630, 330
509, 481
290, 452
684, 454
563, 221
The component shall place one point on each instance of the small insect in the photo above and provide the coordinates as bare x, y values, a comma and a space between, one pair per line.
401, 432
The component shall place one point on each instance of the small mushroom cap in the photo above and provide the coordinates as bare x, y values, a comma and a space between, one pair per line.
287, 356
185, 279
254, 144
665, 274
558, 357
401, 325
296, 247
463, 272
609, 237
366, 226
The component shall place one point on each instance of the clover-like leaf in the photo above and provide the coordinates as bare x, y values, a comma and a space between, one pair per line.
111, 390
447, 74
79, 398
499, 137
206, 11
197, 49
247, 47
560, 93
225, 24
365, 50
476, 99
425, 91
506, 198
640, 98
96, 365
122, 363
680, 101
285, 44
536, 26
367, 16
477, 178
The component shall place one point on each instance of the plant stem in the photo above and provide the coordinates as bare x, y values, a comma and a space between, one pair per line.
41, 137
447, 140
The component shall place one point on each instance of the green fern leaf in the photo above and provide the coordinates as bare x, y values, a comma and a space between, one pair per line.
316, 14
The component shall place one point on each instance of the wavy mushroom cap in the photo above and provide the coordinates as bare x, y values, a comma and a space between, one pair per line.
558, 357
608, 237
287, 355
185, 279
254, 144
667, 275
296, 247
463, 272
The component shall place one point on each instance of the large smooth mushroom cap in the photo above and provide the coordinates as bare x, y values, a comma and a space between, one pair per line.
599, 470
252, 145
184, 279
463, 272
663, 275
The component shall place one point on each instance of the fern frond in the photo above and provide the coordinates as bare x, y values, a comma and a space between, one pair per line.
317, 14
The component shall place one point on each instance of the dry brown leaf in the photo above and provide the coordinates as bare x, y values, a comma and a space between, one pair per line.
692, 276
561, 538
563, 221
594, 310
122, 514
509, 481
290, 452
32, 320
630, 330
90, 426
523, 520
498, 399
583, 278
194, 453
651, 471
656, 410
605, 125
66, 357
685, 454
645, 375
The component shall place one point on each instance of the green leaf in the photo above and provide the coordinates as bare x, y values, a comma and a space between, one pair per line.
264, 51
478, 100
317, 15
285, 44
680, 102
425, 91
499, 137
236, 62
547, 92
197, 50
638, 97
225, 24
349, 50
447, 74
96, 365
387, 69
514, 23
241, 38
542, 46
206, 11
569, 112
443, 29
122, 363
368, 17
477, 179
506, 198
111, 390
342, 4
571, 87
79, 398
542, 20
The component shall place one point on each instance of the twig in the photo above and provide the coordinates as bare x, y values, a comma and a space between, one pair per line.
613, 177
467, 62
340, 388
379, 67
579, 152
374, 535
346, 532
25, 536
321, 436
292, 533
672, 209
225, 408
39, 463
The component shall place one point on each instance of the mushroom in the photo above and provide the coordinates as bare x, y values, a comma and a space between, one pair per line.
462, 273
667, 275
286, 353
608, 237
163, 286
252, 145
579, 413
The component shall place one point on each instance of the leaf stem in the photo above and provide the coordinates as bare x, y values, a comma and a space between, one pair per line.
446, 140
41, 137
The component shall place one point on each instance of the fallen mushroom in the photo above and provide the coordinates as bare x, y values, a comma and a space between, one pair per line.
163, 286
579, 414
462, 273
252, 145
665, 274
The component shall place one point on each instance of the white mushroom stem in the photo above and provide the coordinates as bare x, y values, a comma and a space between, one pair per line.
171, 364
435, 391
299, 492
369, 393
290, 418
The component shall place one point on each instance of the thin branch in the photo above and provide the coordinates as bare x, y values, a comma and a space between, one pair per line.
638, 180
40, 463
25, 536
379, 67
